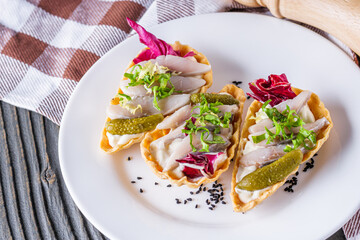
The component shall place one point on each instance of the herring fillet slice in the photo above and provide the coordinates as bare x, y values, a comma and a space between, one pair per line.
260, 126
183, 84
185, 66
315, 126
297, 103
176, 118
167, 106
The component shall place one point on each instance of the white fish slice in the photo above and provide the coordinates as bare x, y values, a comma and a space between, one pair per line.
186, 66
263, 155
167, 106
228, 108
132, 91
163, 141
296, 103
315, 126
183, 84
187, 84
260, 126
176, 119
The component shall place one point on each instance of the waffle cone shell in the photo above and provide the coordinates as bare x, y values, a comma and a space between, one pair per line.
183, 49
158, 133
318, 109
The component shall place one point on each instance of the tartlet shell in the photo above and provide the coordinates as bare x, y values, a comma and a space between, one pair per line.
157, 133
104, 142
318, 109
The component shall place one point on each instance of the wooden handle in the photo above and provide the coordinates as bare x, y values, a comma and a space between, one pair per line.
341, 18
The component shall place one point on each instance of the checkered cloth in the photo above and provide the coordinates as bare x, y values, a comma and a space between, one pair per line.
46, 46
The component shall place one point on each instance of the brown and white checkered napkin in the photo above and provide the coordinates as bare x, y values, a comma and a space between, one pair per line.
46, 46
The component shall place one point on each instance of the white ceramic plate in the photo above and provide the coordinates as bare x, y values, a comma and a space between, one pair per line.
241, 47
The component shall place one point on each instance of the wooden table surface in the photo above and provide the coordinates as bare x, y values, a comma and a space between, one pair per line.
34, 201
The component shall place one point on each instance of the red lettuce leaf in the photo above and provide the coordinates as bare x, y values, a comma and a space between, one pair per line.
199, 163
277, 88
192, 172
156, 47
189, 54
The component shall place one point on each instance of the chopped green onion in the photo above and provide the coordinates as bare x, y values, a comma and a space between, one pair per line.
283, 123
148, 75
208, 113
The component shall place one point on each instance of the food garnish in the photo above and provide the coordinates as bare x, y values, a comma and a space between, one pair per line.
276, 87
156, 47
271, 174
283, 123
198, 123
198, 164
213, 98
133, 125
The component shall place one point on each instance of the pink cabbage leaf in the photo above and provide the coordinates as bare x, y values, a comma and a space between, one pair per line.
156, 47
277, 88
199, 164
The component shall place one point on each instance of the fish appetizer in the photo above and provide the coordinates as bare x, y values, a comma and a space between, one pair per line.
157, 82
194, 145
283, 128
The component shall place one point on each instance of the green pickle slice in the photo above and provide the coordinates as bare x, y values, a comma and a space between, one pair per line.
133, 125
272, 173
213, 97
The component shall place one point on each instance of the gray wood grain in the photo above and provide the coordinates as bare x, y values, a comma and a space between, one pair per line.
34, 201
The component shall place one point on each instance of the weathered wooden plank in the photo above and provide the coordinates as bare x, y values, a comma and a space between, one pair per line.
8, 182
80, 224
5, 232
29, 147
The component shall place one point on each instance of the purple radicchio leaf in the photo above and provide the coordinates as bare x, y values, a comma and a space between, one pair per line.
276, 87
199, 164
156, 47
189, 54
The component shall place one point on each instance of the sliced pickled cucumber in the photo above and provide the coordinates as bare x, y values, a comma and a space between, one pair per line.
134, 125
272, 173
214, 97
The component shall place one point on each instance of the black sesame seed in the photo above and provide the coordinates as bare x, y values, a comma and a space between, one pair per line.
133, 182
236, 83
211, 208
204, 189
213, 205
156, 183
191, 193
139, 178
297, 173
185, 201
129, 158
222, 198
248, 97
141, 191
189, 199
169, 185
315, 154
223, 202
197, 192
196, 206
